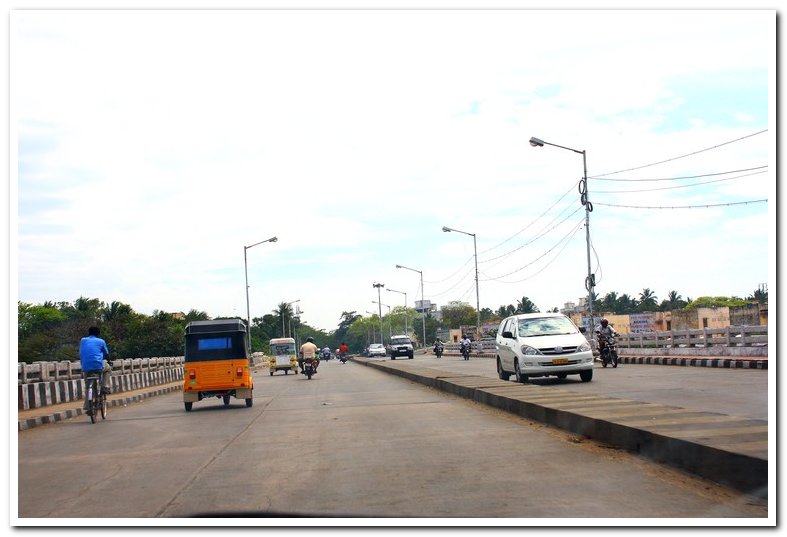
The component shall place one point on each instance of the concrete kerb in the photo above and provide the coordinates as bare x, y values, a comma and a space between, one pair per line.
688, 446
53, 414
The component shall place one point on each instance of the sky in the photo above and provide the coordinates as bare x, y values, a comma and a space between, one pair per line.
150, 148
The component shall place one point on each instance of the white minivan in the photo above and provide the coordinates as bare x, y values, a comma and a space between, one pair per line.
540, 345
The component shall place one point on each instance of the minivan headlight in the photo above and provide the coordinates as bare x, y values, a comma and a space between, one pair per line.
527, 350
584, 347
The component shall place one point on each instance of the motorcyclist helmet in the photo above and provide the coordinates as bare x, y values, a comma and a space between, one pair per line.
604, 322
309, 339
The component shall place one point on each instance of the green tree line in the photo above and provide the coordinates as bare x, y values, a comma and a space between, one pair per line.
51, 331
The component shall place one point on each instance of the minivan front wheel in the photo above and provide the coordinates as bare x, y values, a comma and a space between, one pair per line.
586, 375
518, 372
504, 375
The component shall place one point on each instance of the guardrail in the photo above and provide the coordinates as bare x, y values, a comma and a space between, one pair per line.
732, 336
735, 341
730, 341
65, 370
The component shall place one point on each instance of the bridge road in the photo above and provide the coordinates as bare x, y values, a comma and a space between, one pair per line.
736, 392
350, 442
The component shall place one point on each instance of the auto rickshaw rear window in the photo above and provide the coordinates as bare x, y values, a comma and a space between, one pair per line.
206, 347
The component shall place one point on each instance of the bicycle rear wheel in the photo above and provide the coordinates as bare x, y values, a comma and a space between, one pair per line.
104, 406
91, 401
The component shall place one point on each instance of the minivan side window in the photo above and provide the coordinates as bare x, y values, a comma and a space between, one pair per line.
509, 323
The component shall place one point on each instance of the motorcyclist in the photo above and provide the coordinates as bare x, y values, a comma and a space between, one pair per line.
343, 350
606, 329
465, 343
326, 352
437, 345
309, 350
605, 332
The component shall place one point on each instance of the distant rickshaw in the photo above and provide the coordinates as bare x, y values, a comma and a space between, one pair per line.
283, 356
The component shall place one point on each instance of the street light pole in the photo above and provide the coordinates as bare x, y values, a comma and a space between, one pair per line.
378, 286
374, 333
390, 330
405, 306
477, 299
246, 271
590, 281
423, 312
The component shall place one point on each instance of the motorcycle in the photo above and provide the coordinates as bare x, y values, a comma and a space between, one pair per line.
466, 351
343, 357
608, 349
326, 355
438, 350
309, 367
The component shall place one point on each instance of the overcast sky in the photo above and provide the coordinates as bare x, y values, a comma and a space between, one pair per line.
154, 145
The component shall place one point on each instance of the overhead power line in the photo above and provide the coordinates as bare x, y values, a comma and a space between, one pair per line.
565, 238
678, 178
680, 157
704, 206
529, 224
675, 187
541, 234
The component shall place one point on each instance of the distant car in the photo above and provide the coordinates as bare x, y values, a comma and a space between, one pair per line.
540, 345
376, 349
401, 346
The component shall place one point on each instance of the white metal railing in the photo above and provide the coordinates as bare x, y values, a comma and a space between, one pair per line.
732, 336
65, 370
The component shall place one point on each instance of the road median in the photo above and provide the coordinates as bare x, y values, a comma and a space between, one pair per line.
729, 450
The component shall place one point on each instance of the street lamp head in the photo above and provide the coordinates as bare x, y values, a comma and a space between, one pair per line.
446, 229
274, 239
536, 142
398, 266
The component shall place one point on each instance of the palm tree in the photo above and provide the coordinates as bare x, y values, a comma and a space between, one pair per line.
647, 300
526, 306
284, 312
760, 295
609, 303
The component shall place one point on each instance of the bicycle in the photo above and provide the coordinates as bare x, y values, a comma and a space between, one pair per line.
96, 399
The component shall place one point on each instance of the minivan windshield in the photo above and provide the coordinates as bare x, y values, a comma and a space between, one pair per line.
546, 326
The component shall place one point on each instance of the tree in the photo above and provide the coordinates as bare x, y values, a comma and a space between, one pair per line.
487, 314
459, 315
345, 322
505, 311
716, 302
88, 308
285, 314
647, 300
673, 302
626, 304
524, 305
609, 303
760, 295
194, 315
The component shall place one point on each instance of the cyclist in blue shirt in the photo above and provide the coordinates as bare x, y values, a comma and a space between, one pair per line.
94, 357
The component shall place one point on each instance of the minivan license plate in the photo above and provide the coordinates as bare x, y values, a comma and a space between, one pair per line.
559, 361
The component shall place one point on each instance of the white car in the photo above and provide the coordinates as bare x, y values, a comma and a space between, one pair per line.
540, 345
376, 349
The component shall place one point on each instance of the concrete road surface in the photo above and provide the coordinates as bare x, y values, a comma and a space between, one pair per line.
735, 392
351, 442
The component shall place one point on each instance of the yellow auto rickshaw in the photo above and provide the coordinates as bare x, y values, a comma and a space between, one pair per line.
217, 362
283, 356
